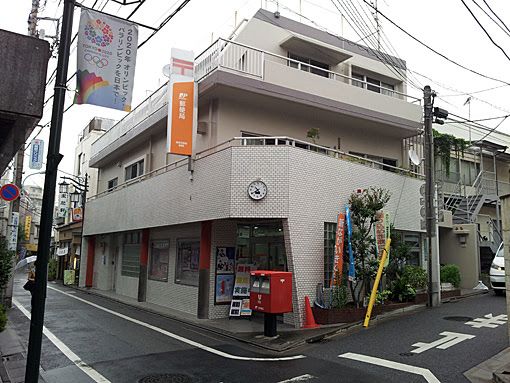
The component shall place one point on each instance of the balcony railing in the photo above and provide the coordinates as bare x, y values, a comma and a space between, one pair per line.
250, 61
265, 141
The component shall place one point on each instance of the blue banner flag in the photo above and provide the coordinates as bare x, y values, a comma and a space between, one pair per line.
352, 272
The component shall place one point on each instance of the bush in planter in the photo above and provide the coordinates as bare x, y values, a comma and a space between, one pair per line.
408, 281
3, 318
450, 274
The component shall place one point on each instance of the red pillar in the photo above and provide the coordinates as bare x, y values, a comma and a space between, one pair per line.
144, 258
204, 266
91, 251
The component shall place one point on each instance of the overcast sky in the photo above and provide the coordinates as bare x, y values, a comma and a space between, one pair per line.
446, 26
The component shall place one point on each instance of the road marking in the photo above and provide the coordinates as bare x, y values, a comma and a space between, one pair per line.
429, 376
300, 378
488, 321
449, 339
178, 337
93, 374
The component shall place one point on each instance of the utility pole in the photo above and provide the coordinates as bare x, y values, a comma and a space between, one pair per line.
430, 213
53, 159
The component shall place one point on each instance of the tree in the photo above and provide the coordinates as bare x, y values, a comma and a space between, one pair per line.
364, 207
6, 257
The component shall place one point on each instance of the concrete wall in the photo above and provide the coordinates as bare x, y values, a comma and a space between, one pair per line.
466, 256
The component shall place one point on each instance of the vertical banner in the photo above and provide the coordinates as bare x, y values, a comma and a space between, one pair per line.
62, 205
352, 271
36, 154
13, 231
28, 223
106, 60
387, 235
338, 264
182, 104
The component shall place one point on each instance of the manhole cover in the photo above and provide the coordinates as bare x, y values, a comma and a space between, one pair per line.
458, 319
406, 354
166, 378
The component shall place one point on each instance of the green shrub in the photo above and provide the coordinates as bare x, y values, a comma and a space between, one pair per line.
382, 296
450, 274
3, 318
415, 277
407, 282
5, 263
52, 269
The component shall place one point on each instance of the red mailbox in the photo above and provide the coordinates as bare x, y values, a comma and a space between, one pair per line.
271, 291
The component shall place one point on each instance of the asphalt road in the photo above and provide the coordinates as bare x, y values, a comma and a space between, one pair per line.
112, 342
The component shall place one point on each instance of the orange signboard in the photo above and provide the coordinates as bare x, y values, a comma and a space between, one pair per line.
181, 129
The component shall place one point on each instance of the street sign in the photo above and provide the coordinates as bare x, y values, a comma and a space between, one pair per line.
36, 154
9, 192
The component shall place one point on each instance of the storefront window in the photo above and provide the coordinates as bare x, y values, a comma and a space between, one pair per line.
158, 267
261, 245
329, 251
188, 255
131, 254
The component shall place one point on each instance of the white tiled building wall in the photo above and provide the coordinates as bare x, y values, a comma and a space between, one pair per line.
305, 188
170, 294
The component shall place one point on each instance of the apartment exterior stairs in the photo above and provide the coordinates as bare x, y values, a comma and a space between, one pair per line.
467, 209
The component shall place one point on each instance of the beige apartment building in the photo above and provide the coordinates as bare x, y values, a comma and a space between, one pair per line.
158, 221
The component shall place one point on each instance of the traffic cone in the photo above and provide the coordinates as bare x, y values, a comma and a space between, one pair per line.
309, 318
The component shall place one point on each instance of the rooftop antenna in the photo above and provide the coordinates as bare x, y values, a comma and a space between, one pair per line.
468, 102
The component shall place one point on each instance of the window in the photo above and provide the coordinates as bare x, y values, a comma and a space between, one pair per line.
372, 84
158, 266
386, 161
112, 184
134, 170
188, 255
413, 240
131, 254
329, 251
307, 68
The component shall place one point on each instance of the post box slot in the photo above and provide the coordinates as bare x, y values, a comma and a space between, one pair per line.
265, 287
255, 284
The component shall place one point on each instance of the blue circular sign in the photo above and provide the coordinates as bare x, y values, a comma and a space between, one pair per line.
9, 192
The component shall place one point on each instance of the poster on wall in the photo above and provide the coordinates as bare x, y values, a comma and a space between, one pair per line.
235, 307
224, 288
242, 280
245, 307
225, 260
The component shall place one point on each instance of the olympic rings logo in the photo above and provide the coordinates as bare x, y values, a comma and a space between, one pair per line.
100, 63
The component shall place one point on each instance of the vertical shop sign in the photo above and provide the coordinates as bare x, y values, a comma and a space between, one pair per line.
352, 272
36, 154
28, 223
182, 104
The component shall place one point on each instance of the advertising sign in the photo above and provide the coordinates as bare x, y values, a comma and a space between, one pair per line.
242, 280
77, 214
36, 154
225, 259
182, 104
224, 288
352, 270
61, 251
69, 277
31, 247
106, 60
28, 223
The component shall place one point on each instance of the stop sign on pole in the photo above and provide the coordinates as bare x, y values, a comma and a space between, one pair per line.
9, 192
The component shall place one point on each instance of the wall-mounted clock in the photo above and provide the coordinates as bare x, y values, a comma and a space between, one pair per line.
257, 190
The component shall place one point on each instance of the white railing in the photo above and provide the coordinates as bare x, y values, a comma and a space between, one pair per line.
243, 58
265, 141
149, 106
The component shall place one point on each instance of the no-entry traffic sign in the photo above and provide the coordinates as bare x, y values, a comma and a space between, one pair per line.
9, 192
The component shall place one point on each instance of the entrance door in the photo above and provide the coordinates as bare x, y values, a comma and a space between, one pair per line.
269, 254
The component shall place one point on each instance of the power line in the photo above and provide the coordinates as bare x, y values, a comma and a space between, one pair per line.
490, 17
170, 17
493, 129
487, 33
495, 14
434, 50
475, 92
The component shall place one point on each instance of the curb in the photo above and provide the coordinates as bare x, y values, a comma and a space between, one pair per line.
341, 329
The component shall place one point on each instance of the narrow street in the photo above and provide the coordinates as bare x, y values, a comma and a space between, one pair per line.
96, 340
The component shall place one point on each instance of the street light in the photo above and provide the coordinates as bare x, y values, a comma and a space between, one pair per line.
75, 196
63, 187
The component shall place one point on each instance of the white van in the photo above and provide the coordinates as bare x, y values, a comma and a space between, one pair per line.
497, 272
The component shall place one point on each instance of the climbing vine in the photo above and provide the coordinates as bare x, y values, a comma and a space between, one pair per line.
444, 145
